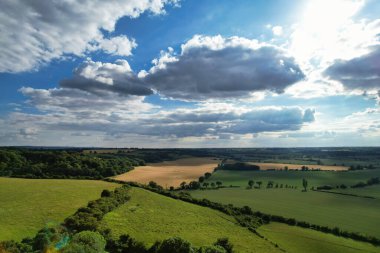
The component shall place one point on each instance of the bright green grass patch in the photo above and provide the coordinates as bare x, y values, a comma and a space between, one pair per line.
348, 213
149, 217
27, 205
299, 240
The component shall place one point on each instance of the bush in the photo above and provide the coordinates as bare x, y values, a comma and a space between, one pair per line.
211, 249
175, 245
225, 244
86, 242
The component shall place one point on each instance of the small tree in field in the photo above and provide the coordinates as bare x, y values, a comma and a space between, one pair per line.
213, 185
219, 184
205, 185
304, 184
201, 179
251, 183
259, 183
183, 185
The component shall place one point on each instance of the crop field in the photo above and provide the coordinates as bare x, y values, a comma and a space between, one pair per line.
27, 205
354, 214
171, 173
299, 240
279, 166
149, 217
315, 178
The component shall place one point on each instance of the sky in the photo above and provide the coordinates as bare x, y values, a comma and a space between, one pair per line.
187, 73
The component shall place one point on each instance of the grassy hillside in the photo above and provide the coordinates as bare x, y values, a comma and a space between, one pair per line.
27, 205
149, 217
348, 213
299, 240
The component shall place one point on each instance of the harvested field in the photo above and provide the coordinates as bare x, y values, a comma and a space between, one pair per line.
278, 166
171, 173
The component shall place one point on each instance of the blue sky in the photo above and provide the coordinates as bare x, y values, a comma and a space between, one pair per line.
171, 73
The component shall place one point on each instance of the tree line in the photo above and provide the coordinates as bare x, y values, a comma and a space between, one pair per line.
62, 164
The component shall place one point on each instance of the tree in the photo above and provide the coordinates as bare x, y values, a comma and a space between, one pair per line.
175, 245
213, 185
207, 175
183, 185
105, 193
194, 185
304, 184
205, 184
219, 184
201, 179
211, 249
86, 241
251, 183
224, 243
259, 183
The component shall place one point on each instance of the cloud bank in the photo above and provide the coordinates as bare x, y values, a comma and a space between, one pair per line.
36, 32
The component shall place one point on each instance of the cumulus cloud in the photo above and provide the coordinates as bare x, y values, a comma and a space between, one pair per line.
217, 67
104, 78
36, 32
120, 45
358, 73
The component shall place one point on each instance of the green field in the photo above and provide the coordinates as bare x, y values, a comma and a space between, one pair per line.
354, 214
28, 205
315, 178
149, 217
299, 240
372, 191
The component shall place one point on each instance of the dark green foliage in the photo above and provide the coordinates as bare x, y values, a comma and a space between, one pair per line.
225, 244
175, 245
238, 166
207, 175
371, 181
125, 244
304, 184
251, 183
15, 247
61, 164
86, 242
194, 185
106, 193
211, 249
88, 218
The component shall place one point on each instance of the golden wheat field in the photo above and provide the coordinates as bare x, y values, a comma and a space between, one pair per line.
171, 173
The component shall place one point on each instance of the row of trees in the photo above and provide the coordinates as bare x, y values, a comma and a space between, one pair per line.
270, 184
62, 164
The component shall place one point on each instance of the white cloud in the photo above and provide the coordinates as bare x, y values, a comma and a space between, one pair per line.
120, 45
277, 30
36, 32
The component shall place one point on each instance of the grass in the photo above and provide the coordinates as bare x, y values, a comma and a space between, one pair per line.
299, 240
171, 173
348, 213
28, 205
315, 178
149, 217
372, 191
